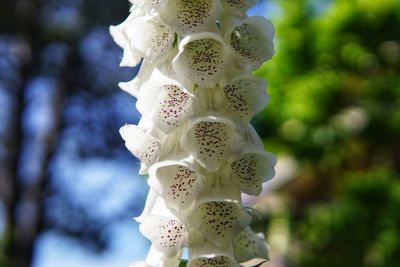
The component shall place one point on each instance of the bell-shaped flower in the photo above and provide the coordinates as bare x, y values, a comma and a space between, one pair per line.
248, 245
250, 169
165, 102
219, 221
211, 140
153, 46
177, 182
188, 16
131, 56
168, 235
242, 97
202, 58
142, 145
253, 40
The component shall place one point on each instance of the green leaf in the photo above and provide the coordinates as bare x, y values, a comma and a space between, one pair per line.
183, 263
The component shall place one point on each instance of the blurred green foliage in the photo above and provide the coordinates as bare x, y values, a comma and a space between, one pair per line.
334, 108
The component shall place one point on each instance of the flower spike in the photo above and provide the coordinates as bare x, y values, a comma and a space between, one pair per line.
197, 96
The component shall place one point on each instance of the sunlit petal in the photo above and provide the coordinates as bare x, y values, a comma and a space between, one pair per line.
211, 140
253, 40
166, 234
189, 16
248, 245
142, 145
219, 221
202, 58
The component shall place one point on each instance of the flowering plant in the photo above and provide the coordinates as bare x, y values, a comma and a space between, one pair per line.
197, 95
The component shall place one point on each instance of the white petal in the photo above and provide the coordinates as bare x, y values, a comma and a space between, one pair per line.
189, 16
211, 141
238, 4
120, 35
217, 261
156, 258
165, 102
251, 169
143, 146
203, 253
219, 222
202, 59
237, 7
157, 41
139, 264
147, 5
133, 87
176, 182
243, 97
167, 235
248, 245
151, 201
130, 58
253, 40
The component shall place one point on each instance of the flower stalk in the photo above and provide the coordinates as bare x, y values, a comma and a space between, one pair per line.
196, 94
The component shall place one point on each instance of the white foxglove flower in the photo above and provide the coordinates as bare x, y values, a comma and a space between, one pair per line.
178, 182
243, 97
131, 56
165, 102
197, 96
153, 46
219, 221
168, 235
248, 245
253, 41
189, 16
142, 145
211, 140
203, 58
250, 169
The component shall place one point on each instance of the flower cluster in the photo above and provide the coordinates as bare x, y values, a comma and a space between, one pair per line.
197, 95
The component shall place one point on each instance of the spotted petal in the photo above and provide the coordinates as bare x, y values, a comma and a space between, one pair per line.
243, 97
211, 141
142, 145
190, 16
253, 40
176, 182
248, 245
166, 234
217, 261
202, 58
156, 43
251, 169
219, 221
165, 102
237, 7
